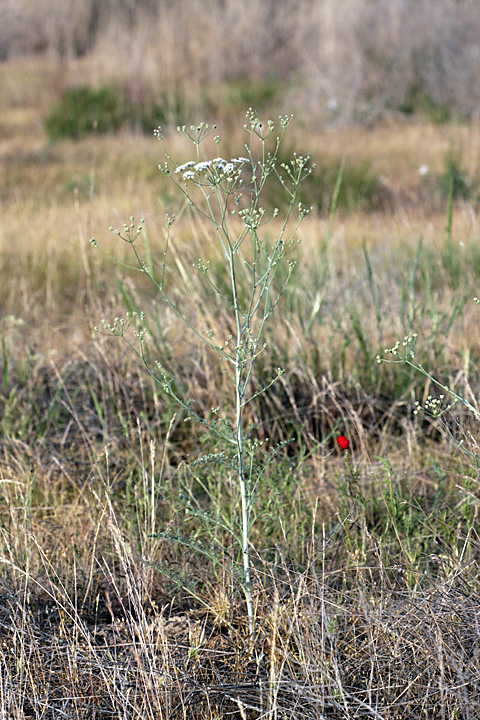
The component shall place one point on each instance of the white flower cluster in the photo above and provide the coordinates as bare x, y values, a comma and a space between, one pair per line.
216, 169
434, 406
408, 353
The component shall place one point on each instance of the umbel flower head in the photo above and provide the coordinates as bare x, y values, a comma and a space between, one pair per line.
213, 170
343, 442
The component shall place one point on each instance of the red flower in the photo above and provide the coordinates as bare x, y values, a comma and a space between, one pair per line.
343, 442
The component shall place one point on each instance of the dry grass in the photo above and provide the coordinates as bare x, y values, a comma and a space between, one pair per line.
89, 631
366, 569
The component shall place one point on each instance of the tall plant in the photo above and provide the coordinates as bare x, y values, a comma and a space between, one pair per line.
227, 194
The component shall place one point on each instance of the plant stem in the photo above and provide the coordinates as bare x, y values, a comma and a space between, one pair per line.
244, 490
245, 504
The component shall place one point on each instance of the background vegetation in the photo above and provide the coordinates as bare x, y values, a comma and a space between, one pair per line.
366, 563
355, 59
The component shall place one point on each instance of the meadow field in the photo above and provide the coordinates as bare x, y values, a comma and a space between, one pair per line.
121, 594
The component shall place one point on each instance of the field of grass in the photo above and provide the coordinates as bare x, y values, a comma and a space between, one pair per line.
366, 562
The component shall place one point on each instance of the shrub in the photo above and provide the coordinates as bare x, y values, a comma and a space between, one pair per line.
418, 100
455, 179
247, 93
84, 110
360, 188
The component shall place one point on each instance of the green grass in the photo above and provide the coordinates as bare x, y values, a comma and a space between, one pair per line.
106, 109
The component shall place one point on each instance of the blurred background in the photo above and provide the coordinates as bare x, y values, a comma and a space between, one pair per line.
334, 60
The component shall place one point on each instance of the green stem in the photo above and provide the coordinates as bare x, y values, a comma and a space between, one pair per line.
239, 394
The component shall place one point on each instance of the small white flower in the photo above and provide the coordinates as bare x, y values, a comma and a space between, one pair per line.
228, 168
188, 175
201, 166
423, 170
240, 160
185, 166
